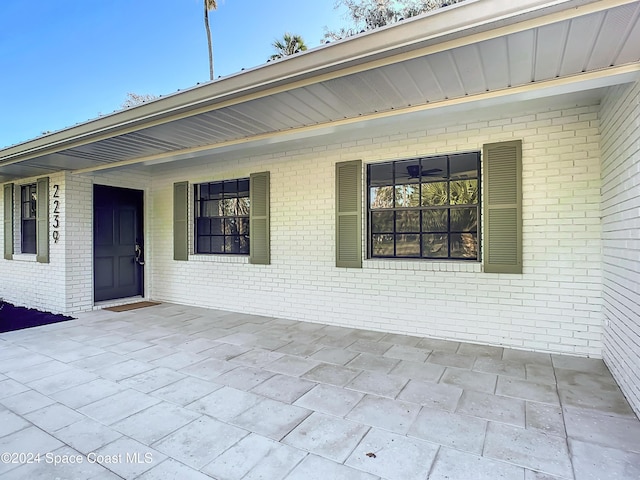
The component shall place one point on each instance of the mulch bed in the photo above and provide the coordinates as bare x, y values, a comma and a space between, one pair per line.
13, 317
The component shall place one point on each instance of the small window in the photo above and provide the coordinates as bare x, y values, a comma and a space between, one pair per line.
425, 207
28, 199
222, 217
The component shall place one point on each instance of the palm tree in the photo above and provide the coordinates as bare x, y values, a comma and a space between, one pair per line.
366, 15
289, 45
209, 5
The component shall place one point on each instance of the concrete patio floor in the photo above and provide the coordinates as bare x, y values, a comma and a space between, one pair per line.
172, 391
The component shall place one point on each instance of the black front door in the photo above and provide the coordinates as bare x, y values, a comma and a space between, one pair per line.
117, 242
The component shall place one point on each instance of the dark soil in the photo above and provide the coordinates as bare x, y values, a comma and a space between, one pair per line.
13, 317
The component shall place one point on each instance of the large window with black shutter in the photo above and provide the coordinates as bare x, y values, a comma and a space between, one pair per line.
222, 217
31, 217
230, 217
426, 207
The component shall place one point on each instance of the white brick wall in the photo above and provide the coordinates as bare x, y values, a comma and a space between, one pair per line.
79, 252
621, 236
556, 305
23, 281
65, 284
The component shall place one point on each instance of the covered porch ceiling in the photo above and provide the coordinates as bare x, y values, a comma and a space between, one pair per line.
475, 53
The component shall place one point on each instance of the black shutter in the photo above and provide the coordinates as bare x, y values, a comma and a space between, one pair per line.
349, 214
503, 207
181, 221
259, 246
8, 221
42, 220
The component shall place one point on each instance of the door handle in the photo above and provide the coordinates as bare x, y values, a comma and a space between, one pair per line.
139, 254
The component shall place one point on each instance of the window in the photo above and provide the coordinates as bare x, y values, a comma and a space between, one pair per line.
222, 217
32, 223
28, 199
425, 207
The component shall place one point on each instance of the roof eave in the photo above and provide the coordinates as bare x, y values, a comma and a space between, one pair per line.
456, 21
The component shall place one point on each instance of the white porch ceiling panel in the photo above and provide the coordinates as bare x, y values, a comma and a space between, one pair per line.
592, 42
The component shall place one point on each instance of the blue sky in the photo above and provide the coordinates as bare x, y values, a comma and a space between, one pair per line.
69, 61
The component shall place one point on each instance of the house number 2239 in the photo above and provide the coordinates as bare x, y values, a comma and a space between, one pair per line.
56, 214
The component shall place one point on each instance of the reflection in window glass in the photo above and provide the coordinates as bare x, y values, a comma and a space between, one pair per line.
243, 226
408, 221
230, 189
425, 207
243, 188
243, 205
382, 245
435, 245
464, 165
229, 207
233, 244
217, 245
464, 192
222, 217
435, 220
435, 194
203, 244
407, 171
464, 245
211, 208
382, 222
407, 245
28, 199
381, 197
216, 226
214, 190
204, 225
464, 219
407, 195
434, 168
381, 174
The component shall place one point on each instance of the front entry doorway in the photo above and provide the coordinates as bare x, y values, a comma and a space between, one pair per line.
117, 243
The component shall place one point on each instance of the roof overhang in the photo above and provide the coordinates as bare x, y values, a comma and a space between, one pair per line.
479, 51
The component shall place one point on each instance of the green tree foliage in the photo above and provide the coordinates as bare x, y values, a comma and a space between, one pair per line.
450, 207
366, 15
288, 45
134, 99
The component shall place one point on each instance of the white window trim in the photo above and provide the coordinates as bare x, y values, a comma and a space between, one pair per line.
25, 257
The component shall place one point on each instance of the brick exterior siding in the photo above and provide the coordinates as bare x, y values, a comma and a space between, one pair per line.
620, 115
556, 305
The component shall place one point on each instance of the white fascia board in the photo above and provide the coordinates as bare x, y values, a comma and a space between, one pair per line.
361, 52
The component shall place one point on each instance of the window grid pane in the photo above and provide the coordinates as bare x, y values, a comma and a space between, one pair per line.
222, 217
425, 207
28, 200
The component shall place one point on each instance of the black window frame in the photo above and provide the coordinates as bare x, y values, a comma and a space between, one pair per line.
28, 216
230, 224
419, 175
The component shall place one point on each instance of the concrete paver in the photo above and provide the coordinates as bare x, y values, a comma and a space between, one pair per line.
172, 391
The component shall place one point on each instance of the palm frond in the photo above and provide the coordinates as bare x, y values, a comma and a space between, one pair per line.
288, 45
